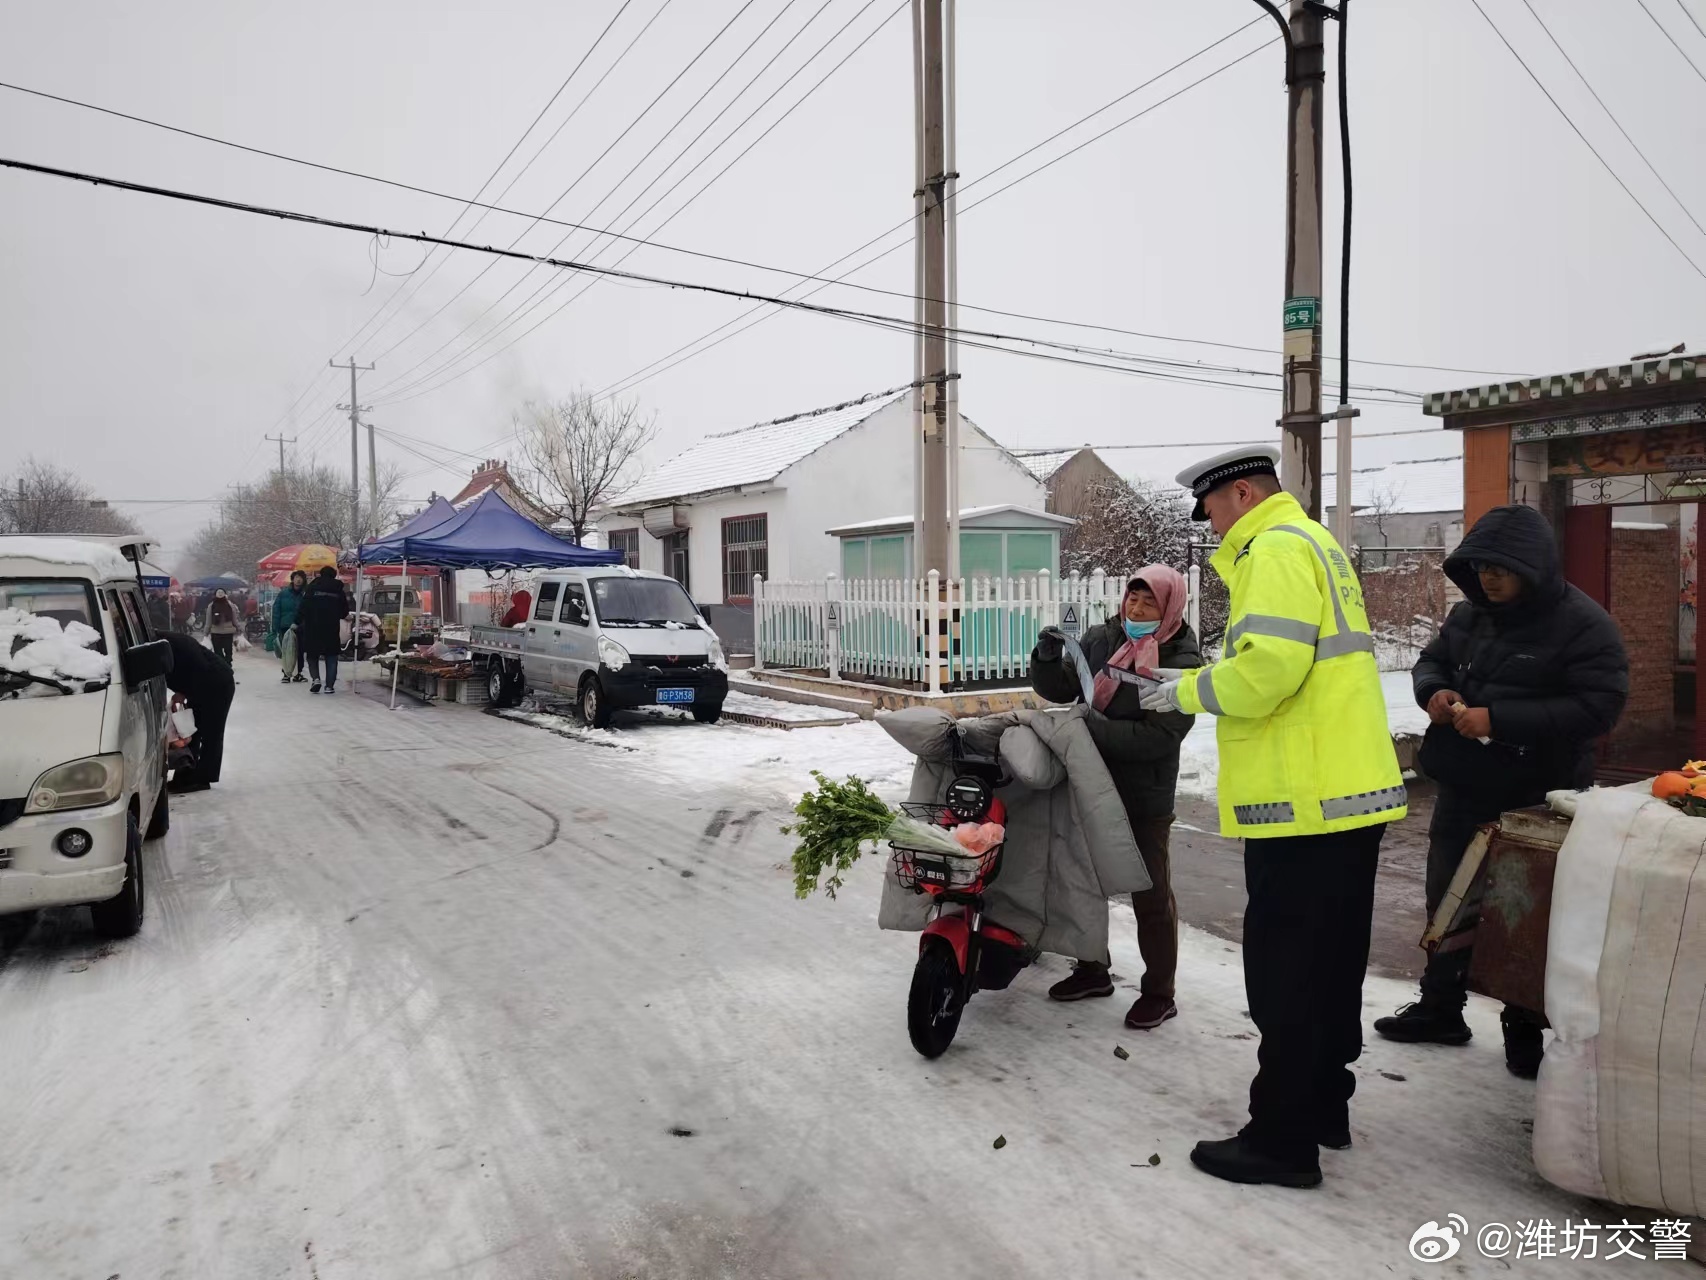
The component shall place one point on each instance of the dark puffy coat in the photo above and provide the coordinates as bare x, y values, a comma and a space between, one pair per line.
1141, 748
323, 606
1549, 667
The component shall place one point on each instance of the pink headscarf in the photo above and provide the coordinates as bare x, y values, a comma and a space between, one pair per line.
1171, 592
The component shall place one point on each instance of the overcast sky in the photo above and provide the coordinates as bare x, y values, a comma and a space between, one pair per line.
151, 345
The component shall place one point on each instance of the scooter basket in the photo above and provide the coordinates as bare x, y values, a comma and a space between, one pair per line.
922, 870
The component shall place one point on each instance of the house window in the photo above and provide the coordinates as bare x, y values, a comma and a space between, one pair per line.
980, 555
855, 558
746, 552
627, 541
1030, 553
675, 558
888, 557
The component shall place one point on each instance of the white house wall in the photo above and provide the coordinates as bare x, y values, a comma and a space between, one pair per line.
866, 474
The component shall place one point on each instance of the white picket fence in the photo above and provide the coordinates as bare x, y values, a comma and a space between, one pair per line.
877, 628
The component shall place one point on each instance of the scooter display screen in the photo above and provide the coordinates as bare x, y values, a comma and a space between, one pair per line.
968, 798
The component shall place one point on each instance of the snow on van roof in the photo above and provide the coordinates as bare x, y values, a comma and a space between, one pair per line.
101, 557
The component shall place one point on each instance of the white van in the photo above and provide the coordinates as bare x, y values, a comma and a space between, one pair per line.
83, 718
611, 639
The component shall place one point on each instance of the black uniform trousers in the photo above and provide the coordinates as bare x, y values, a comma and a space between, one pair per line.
1306, 936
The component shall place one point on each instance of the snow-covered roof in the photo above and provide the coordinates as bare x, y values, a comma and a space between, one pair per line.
101, 555
1427, 484
968, 515
1044, 463
751, 455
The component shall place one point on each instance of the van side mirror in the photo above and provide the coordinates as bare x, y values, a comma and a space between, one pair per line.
143, 662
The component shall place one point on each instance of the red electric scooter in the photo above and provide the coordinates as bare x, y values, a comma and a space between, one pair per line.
961, 952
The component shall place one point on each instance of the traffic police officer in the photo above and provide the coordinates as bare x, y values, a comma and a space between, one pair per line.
1309, 778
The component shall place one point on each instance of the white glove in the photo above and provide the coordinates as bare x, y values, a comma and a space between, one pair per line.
1168, 673
1163, 697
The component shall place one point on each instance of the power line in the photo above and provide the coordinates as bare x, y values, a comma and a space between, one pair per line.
533, 124
1585, 142
676, 357
1673, 44
404, 378
486, 210
519, 313
893, 323
563, 195
646, 242
1613, 118
1689, 14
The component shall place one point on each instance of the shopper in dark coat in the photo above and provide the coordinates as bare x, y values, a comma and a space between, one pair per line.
201, 678
1141, 750
324, 605
1526, 673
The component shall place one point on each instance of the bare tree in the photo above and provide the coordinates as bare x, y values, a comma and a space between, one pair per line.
42, 498
581, 453
1127, 526
294, 506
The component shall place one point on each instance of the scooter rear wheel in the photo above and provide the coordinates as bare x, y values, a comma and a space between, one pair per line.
934, 1005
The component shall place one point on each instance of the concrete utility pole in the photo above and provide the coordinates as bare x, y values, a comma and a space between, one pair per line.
932, 289
354, 406
281, 443
372, 486
1300, 457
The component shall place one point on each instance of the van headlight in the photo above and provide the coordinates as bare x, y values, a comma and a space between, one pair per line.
80, 784
611, 654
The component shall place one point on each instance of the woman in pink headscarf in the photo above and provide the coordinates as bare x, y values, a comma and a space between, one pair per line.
1141, 749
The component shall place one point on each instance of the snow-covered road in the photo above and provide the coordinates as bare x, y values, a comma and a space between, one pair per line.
431, 993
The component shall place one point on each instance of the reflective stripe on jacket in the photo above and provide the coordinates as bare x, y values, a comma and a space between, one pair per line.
1300, 716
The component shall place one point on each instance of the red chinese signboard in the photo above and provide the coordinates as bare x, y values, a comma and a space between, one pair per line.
1623, 453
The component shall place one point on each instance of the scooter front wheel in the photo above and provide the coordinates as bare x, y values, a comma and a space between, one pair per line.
934, 1005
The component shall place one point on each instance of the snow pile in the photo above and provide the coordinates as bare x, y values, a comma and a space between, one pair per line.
37, 645
671, 744
78, 553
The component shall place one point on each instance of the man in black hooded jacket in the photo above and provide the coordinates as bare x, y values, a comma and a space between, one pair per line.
1522, 678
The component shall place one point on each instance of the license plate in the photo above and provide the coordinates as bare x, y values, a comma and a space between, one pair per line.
675, 695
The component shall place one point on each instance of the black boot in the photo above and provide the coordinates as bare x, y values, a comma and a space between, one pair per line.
1524, 1045
1087, 980
1425, 1023
1239, 1160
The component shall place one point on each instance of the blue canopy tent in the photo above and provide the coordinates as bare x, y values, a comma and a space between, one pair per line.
218, 582
486, 534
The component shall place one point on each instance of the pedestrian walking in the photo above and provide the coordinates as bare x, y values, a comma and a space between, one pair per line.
222, 625
286, 629
1141, 750
1309, 779
203, 680
323, 608
1521, 679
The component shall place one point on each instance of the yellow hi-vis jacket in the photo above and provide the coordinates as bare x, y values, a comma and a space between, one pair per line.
1300, 716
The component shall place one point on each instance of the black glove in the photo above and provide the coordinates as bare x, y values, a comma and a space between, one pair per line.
1051, 644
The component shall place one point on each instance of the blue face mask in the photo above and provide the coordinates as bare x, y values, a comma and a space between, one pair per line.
1137, 630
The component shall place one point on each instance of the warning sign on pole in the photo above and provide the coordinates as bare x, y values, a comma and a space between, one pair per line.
832, 616
1069, 621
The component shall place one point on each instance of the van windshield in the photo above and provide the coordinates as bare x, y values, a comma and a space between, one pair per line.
50, 639
642, 602
385, 599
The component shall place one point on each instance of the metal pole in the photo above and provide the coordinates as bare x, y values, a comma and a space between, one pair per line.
1300, 459
397, 652
354, 407
372, 487
933, 288
951, 238
917, 397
